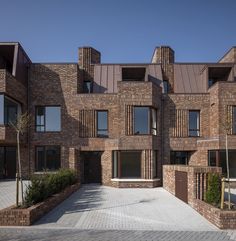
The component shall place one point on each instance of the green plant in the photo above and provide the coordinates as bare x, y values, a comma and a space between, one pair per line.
42, 187
213, 192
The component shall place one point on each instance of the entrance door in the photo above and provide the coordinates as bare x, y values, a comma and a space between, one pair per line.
7, 162
91, 162
181, 185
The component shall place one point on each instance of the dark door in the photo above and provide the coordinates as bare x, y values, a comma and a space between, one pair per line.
92, 167
7, 162
181, 185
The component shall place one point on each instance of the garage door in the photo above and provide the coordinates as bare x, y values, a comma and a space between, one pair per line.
181, 185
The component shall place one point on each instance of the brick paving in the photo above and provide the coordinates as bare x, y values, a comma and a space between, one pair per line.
105, 208
8, 193
30, 234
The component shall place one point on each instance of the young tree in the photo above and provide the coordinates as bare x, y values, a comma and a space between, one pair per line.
227, 125
20, 127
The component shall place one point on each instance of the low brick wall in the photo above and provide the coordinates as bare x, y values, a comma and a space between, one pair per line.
13, 216
136, 184
169, 177
221, 218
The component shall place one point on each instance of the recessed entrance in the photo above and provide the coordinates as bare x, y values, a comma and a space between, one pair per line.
91, 167
7, 162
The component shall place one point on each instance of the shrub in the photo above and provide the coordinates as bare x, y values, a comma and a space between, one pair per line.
42, 187
213, 193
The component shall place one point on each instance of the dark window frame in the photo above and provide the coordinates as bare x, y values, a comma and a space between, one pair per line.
151, 130
199, 124
18, 111
88, 90
45, 147
107, 129
44, 125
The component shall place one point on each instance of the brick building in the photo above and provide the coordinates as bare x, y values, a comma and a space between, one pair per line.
117, 124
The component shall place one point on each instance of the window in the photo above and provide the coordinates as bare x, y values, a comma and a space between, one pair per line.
194, 123
216, 74
88, 87
218, 158
179, 157
145, 120
102, 123
133, 74
9, 110
165, 86
234, 120
47, 158
126, 164
48, 118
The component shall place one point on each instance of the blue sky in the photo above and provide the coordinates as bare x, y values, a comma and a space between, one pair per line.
123, 31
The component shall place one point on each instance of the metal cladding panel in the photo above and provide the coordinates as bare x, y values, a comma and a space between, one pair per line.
104, 80
110, 77
97, 78
189, 78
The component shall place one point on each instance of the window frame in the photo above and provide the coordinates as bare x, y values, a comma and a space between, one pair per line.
45, 147
19, 109
199, 124
234, 120
44, 106
118, 175
150, 121
97, 129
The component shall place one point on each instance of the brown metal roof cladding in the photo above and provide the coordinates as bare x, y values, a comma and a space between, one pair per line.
106, 76
192, 77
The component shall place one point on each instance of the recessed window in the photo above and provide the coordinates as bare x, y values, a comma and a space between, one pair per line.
194, 123
133, 74
218, 158
126, 164
9, 110
145, 120
48, 118
88, 87
155, 158
102, 123
216, 74
179, 157
165, 86
48, 158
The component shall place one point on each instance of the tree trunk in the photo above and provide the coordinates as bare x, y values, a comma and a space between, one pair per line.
19, 164
227, 166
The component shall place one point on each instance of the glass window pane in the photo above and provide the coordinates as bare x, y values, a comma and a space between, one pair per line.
10, 111
88, 87
53, 118
234, 120
1, 109
40, 159
154, 121
141, 120
115, 164
53, 157
102, 123
194, 123
155, 164
212, 158
179, 157
2, 158
130, 164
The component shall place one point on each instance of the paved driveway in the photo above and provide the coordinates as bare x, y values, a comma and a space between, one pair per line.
105, 208
8, 193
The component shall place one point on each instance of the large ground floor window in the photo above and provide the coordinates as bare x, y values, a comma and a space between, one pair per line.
218, 158
126, 164
48, 158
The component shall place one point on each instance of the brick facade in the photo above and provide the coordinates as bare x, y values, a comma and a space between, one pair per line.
61, 84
